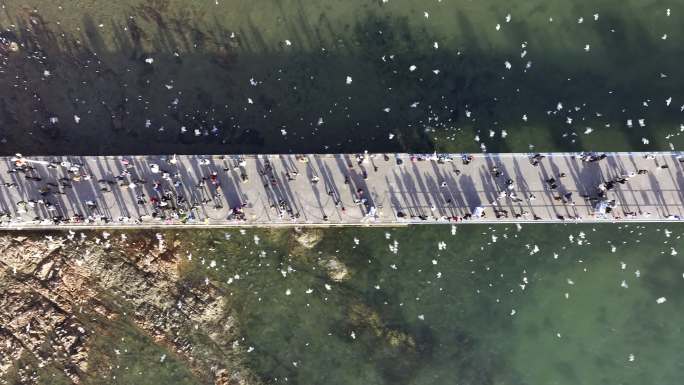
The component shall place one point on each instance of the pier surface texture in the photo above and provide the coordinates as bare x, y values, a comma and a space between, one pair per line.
338, 189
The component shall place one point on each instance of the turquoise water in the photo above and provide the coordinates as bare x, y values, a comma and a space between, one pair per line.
498, 305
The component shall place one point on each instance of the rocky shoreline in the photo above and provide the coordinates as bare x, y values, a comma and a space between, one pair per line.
58, 291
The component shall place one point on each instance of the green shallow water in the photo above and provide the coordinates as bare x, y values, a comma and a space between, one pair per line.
459, 315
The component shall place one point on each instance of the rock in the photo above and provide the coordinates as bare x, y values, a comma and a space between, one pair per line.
362, 316
194, 321
337, 271
308, 238
43, 272
398, 339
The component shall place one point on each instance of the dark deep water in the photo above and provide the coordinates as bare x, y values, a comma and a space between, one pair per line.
291, 59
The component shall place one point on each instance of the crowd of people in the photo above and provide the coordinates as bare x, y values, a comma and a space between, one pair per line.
165, 198
164, 192
509, 204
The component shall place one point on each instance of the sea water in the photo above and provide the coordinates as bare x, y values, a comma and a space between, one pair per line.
562, 304
476, 304
236, 76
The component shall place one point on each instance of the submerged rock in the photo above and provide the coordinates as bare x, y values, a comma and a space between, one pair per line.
337, 271
308, 238
362, 316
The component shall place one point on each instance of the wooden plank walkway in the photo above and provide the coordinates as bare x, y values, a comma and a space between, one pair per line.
338, 189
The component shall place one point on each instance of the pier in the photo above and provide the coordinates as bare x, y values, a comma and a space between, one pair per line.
338, 189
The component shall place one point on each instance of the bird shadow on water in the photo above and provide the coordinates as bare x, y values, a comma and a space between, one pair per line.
161, 82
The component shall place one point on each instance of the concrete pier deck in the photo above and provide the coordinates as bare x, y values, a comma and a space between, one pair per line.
338, 189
